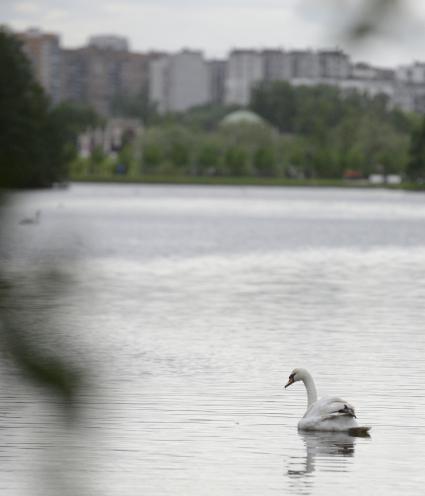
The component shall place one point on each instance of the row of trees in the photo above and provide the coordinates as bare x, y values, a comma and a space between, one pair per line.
37, 139
415, 169
234, 151
314, 110
341, 130
313, 131
257, 150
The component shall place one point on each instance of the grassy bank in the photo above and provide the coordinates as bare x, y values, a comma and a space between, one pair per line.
241, 181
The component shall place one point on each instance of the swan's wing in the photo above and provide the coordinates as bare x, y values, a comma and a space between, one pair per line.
332, 408
332, 414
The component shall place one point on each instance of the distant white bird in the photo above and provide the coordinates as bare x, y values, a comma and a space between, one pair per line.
31, 220
329, 414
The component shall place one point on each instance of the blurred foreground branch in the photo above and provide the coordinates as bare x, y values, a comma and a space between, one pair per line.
19, 345
372, 15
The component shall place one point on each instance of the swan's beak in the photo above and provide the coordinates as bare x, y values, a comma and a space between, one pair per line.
291, 381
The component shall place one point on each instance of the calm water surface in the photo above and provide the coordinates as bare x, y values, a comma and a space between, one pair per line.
188, 307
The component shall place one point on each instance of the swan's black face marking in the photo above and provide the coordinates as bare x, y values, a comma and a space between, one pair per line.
347, 410
291, 380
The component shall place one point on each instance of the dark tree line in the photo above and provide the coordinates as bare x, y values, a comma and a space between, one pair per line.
339, 130
323, 132
416, 165
314, 110
37, 139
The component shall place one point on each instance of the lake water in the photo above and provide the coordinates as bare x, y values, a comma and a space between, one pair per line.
188, 307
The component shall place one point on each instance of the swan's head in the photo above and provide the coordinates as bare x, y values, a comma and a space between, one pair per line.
294, 376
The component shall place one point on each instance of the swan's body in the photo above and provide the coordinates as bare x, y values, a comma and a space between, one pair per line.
330, 414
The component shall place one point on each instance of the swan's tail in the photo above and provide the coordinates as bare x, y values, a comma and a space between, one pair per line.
361, 431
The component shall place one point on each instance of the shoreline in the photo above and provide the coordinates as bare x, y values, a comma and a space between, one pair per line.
245, 181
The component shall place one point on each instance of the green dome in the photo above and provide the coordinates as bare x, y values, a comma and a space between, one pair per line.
242, 117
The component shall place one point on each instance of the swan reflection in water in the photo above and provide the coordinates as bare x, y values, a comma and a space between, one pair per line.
331, 450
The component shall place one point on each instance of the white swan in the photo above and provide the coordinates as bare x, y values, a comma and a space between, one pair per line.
31, 220
329, 414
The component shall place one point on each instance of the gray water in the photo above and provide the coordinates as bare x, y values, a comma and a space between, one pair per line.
188, 307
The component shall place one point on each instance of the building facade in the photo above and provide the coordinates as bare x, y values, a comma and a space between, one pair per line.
334, 64
245, 69
44, 52
217, 77
305, 64
109, 42
179, 81
105, 71
277, 65
99, 76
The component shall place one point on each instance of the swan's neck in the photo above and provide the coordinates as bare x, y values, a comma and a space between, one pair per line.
311, 389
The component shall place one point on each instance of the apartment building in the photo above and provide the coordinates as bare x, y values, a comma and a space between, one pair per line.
245, 68
410, 94
44, 52
159, 83
277, 65
305, 64
363, 71
109, 42
334, 64
179, 81
98, 76
105, 70
248, 67
217, 77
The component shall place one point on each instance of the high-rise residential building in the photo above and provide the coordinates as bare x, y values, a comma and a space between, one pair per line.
134, 75
334, 64
305, 64
277, 65
385, 74
44, 52
272, 64
217, 75
410, 87
361, 70
179, 81
99, 76
159, 83
96, 74
74, 76
189, 75
414, 73
244, 70
109, 42
105, 71
370, 87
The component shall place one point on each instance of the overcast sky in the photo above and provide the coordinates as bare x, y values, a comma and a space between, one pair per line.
216, 26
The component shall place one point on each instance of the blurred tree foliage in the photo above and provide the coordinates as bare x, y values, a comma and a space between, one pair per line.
234, 150
138, 107
313, 110
341, 131
203, 117
370, 17
416, 166
37, 140
313, 132
25, 335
